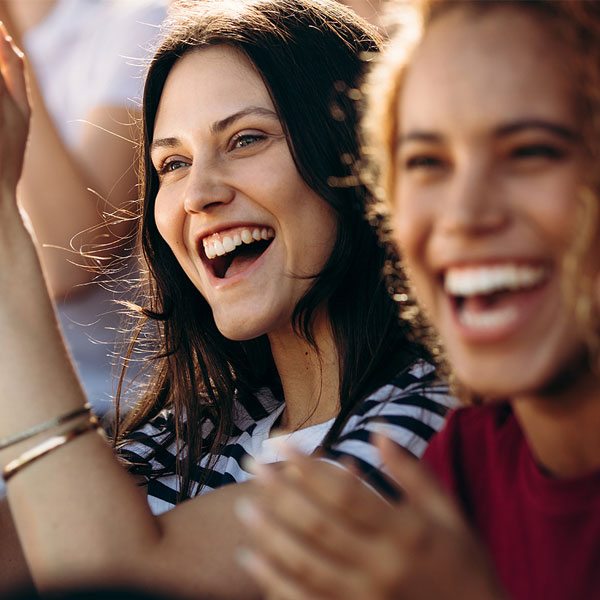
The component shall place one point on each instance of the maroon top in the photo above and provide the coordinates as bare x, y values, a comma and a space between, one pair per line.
543, 534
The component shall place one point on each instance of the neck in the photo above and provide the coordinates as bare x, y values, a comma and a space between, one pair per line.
309, 377
562, 426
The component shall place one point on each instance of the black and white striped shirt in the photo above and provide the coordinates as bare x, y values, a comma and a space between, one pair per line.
409, 410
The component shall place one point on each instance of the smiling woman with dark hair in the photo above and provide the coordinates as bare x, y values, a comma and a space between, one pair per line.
266, 287
277, 199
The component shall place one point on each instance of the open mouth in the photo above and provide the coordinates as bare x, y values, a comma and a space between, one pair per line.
492, 296
232, 251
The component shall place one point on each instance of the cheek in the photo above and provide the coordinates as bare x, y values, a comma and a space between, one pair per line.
169, 222
412, 226
554, 205
408, 226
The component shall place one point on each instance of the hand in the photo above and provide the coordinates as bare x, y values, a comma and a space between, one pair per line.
322, 534
14, 111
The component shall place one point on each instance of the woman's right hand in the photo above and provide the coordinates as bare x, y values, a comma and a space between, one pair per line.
320, 533
14, 111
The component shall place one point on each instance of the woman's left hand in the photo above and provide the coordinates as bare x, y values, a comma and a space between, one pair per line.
322, 534
14, 111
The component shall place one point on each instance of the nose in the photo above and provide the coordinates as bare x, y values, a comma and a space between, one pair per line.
475, 202
206, 187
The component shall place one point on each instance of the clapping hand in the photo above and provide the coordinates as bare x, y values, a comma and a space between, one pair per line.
320, 533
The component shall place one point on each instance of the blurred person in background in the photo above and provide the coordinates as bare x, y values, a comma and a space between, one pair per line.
86, 62
484, 133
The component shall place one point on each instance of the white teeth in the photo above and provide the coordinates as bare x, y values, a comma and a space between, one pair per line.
215, 245
488, 319
228, 244
473, 281
219, 249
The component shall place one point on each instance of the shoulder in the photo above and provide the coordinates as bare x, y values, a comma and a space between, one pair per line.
470, 425
408, 410
469, 440
152, 449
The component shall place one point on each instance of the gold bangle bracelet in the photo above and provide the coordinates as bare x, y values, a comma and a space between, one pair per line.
47, 446
11, 441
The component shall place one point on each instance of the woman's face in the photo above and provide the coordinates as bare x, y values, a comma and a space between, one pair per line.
234, 210
488, 169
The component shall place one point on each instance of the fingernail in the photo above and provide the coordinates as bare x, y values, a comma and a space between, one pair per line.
249, 464
245, 558
283, 445
247, 512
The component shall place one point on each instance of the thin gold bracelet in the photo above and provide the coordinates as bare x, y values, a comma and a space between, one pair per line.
11, 441
47, 446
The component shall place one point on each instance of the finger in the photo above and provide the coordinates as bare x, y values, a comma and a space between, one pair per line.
419, 485
294, 554
325, 531
278, 584
334, 488
12, 67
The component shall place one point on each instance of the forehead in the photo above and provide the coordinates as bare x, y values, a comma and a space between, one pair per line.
482, 66
207, 85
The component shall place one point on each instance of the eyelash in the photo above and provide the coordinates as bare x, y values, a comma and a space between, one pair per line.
538, 151
165, 166
238, 137
422, 162
248, 139
531, 151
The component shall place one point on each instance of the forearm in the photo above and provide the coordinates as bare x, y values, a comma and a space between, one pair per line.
68, 190
80, 517
55, 502
68, 193
14, 574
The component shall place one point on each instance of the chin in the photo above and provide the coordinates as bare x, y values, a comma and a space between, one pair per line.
240, 330
240, 334
501, 381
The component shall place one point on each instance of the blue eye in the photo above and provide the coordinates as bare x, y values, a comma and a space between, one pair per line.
169, 166
246, 139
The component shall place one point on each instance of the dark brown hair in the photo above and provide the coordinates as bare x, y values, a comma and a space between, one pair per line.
311, 55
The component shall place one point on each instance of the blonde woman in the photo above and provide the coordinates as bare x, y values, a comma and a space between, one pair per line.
484, 124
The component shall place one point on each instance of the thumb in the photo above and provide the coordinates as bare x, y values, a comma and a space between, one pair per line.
420, 487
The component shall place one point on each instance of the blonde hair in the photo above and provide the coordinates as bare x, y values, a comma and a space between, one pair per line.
577, 26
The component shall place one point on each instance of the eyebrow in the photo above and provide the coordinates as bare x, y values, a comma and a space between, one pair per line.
418, 136
503, 130
551, 126
218, 126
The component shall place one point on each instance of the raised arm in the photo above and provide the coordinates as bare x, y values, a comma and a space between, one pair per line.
79, 515
69, 193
